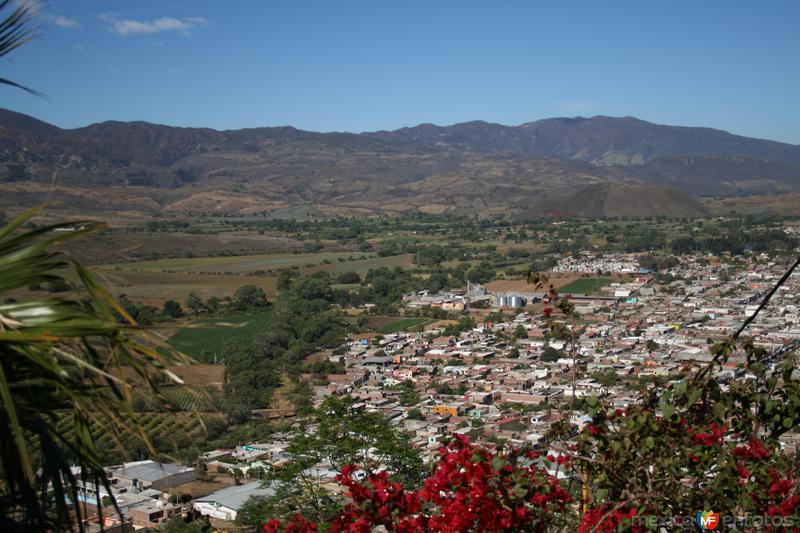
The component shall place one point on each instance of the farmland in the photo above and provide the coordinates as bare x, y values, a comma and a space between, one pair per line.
172, 433
406, 324
154, 282
205, 340
586, 286
240, 264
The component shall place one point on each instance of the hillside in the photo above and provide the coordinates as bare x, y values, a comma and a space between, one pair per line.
593, 167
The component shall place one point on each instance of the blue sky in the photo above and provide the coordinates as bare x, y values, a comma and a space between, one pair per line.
339, 65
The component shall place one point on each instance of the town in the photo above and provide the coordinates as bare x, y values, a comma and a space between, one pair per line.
505, 378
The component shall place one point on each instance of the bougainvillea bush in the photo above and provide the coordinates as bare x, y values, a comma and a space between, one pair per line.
471, 488
688, 446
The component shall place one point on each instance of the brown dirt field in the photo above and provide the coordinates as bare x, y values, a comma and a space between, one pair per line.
440, 323
200, 488
198, 375
155, 287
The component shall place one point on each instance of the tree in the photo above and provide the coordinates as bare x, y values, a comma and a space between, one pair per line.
651, 345
195, 305
409, 397
520, 332
248, 298
338, 433
415, 414
173, 309
550, 354
58, 361
347, 278
212, 305
607, 378
190, 524
250, 377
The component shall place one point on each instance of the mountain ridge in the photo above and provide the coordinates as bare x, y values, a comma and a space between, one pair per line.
465, 166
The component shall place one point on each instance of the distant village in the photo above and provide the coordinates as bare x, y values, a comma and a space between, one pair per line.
506, 380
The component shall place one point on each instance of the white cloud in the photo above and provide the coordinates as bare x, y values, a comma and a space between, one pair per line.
163, 24
65, 22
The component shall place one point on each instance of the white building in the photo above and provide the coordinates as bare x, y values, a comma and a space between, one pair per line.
225, 503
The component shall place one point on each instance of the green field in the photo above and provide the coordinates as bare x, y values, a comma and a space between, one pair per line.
585, 286
205, 339
405, 324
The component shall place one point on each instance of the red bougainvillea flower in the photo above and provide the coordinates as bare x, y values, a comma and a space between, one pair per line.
604, 520
471, 489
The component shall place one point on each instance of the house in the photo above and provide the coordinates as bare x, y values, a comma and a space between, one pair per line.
153, 513
225, 503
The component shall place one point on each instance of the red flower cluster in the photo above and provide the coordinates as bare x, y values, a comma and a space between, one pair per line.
752, 450
378, 502
471, 489
603, 520
296, 524
475, 489
711, 437
780, 491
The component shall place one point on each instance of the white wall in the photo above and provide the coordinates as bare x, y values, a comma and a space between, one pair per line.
215, 510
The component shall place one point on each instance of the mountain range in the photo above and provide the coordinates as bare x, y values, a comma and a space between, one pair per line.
588, 167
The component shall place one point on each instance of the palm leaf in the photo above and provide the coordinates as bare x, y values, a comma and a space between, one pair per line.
62, 356
16, 29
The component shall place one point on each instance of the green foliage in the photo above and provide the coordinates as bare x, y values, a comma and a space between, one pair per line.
465, 323
348, 278
340, 434
178, 524
195, 304
607, 378
415, 414
550, 354
248, 298
724, 448
173, 309
408, 396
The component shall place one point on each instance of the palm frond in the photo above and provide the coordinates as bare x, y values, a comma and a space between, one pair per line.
62, 356
16, 29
